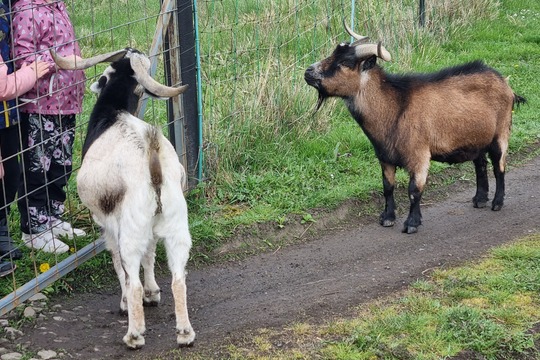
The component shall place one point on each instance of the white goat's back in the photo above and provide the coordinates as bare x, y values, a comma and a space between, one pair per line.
114, 182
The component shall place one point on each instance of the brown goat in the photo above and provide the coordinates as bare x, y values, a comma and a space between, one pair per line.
455, 115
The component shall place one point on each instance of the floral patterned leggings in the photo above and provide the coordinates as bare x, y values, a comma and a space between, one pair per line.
47, 144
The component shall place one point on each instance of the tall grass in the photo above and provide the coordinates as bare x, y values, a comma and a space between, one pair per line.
264, 147
254, 54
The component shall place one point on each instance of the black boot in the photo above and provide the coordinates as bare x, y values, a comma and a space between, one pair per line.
7, 246
6, 268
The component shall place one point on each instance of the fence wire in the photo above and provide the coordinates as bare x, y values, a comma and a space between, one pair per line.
100, 26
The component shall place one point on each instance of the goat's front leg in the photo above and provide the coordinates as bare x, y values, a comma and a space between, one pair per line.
388, 216
152, 292
418, 178
177, 247
480, 199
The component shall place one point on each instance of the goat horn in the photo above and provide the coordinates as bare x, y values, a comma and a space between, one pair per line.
359, 38
73, 63
373, 49
151, 85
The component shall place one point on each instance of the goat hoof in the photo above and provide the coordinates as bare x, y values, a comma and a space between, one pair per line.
410, 229
185, 337
152, 298
133, 341
387, 223
496, 207
479, 204
150, 303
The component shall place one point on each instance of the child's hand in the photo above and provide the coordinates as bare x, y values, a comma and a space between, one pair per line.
40, 68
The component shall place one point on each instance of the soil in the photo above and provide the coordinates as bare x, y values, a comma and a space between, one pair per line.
340, 262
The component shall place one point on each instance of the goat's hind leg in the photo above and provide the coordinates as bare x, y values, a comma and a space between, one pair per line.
480, 199
112, 245
131, 262
178, 246
152, 292
498, 159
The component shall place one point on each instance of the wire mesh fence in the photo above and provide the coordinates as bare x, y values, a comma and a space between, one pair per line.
100, 26
253, 54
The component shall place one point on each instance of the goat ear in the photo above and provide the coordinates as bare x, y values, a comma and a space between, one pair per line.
98, 85
369, 63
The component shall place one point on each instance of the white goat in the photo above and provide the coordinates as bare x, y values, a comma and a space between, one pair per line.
131, 180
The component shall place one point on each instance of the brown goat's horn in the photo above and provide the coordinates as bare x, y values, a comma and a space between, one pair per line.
140, 67
73, 63
359, 38
373, 49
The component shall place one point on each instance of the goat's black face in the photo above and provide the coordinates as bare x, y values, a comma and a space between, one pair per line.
336, 75
118, 69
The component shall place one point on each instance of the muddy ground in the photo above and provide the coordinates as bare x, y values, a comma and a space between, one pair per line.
341, 262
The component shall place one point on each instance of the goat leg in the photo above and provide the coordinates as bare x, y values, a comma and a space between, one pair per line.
497, 155
414, 220
480, 199
152, 292
388, 216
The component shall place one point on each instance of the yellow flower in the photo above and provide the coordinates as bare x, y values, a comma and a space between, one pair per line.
72, 250
44, 267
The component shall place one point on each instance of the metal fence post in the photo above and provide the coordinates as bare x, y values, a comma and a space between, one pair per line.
422, 13
188, 71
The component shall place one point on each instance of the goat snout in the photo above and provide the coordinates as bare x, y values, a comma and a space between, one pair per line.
312, 76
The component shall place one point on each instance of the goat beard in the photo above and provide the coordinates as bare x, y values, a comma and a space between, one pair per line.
320, 100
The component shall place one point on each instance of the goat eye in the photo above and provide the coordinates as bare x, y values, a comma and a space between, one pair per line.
102, 81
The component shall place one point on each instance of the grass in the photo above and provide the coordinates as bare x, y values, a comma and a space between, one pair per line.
483, 309
267, 154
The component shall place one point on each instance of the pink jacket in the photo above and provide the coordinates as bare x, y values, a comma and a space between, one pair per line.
39, 25
15, 84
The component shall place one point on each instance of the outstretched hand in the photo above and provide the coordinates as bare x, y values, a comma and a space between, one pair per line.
40, 68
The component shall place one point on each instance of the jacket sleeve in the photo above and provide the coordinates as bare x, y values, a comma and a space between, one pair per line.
27, 44
17, 83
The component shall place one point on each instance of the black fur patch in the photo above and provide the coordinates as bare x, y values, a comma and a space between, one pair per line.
405, 82
116, 96
369, 63
111, 198
156, 173
458, 155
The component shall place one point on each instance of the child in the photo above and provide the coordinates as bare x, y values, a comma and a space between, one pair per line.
12, 85
47, 122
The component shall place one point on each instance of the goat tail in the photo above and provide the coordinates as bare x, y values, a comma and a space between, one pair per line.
156, 173
518, 100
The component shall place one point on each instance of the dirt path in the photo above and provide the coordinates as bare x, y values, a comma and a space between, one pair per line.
320, 278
